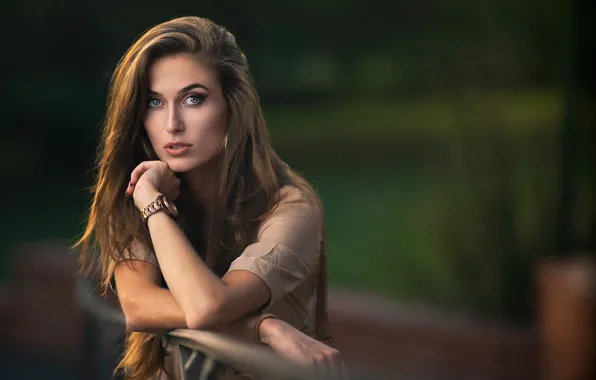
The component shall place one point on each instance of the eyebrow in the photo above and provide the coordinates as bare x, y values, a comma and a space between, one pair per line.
185, 89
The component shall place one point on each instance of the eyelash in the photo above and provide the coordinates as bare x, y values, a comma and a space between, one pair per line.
199, 96
151, 101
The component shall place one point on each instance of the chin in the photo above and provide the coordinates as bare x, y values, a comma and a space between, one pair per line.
181, 166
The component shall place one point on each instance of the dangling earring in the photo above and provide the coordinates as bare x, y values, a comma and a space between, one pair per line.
225, 144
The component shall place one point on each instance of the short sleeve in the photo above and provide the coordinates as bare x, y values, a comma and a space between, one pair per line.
288, 245
139, 251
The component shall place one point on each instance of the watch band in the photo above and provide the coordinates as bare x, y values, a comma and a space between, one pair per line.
159, 204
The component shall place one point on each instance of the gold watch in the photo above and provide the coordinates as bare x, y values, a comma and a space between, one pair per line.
160, 203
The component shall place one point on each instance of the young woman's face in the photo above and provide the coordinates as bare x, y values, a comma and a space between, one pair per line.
186, 118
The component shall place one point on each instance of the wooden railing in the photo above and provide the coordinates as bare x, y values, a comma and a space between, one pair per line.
208, 350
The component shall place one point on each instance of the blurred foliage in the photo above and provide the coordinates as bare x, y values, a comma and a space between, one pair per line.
431, 128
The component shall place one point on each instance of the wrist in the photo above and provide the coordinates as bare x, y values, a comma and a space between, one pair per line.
144, 196
270, 329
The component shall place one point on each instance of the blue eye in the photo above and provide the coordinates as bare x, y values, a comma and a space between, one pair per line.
153, 102
194, 99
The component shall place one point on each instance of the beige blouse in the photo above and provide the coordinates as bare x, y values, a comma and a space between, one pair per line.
286, 256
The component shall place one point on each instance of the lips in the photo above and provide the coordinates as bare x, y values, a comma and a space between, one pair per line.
177, 149
176, 145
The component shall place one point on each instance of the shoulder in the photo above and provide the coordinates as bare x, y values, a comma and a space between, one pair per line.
293, 201
297, 212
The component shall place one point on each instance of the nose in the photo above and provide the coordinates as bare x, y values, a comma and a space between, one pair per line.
174, 123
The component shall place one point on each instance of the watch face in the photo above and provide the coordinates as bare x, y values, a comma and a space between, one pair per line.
171, 206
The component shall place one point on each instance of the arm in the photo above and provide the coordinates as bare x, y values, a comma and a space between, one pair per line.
206, 300
150, 308
147, 306
284, 254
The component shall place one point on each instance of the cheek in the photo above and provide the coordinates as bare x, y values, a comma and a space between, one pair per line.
211, 126
221, 123
149, 121
151, 125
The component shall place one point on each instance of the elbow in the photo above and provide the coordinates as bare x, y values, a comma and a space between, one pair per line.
134, 320
134, 324
195, 321
204, 316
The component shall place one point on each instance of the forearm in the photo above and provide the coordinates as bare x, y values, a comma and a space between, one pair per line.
194, 286
158, 311
153, 309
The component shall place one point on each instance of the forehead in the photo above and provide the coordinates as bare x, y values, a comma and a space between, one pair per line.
171, 73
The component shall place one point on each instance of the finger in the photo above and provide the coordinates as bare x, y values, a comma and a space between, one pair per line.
139, 170
129, 190
338, 369
338, 366
173, 189
345, 375
322, 368
172, 195
331, 365
136, 174
175, 183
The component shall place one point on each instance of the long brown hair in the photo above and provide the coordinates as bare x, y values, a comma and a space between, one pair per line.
248, 180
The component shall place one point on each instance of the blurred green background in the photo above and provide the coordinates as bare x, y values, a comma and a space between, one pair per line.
452, 142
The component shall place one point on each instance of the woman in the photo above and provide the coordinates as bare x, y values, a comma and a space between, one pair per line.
242, 251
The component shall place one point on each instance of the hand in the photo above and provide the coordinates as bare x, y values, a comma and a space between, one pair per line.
149, 179
298, 347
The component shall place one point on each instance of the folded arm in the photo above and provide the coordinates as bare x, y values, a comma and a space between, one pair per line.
151, 308
284, 254
148, 307
206, 300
